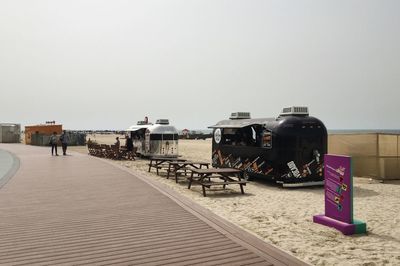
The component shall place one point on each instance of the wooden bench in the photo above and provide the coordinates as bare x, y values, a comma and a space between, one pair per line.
95, 149
181, 170
158, 167
110, 152
228, 175
128, 155
177, 167
212, 183
159, 162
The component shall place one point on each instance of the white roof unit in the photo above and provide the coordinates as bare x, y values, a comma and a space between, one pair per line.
162, 122
240, 115
294, 110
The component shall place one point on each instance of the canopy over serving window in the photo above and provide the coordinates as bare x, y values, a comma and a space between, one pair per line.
240, 123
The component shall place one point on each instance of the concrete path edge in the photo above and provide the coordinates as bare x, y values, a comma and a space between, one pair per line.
12, 170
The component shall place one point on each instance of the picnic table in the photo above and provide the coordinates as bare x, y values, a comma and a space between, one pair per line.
176, 166
224, 176
159, 162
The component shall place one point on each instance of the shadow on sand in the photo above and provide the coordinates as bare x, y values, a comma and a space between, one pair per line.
319, 190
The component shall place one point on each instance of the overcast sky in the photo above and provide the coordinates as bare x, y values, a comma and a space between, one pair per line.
106, 64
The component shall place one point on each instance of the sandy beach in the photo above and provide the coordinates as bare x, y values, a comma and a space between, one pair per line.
283, 217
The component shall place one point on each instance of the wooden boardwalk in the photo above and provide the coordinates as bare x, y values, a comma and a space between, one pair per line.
79, 210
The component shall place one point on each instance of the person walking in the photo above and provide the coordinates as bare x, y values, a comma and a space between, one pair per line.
64, 138
117, 143
53, 143
129, 143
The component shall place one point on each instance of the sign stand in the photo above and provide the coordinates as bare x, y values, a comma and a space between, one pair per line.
339, 196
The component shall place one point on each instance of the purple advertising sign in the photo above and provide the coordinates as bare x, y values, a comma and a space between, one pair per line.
338, 188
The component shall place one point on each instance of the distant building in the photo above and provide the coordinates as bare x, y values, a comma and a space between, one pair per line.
10, 133
32, 133
185, 133
39, 135
193, 134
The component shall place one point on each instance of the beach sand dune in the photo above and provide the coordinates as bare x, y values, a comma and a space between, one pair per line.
283, 217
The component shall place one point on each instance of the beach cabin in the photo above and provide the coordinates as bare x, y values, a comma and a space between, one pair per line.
288, 149
185, 133
159, 139
10, 133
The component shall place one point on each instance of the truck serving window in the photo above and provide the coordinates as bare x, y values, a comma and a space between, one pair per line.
246, 136
163, 136
228, 136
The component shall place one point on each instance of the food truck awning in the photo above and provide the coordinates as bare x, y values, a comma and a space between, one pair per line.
240, 123
137, 127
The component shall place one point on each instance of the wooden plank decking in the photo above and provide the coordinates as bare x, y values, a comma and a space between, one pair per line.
79, 210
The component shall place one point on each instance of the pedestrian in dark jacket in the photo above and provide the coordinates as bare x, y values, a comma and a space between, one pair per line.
53, 143
117, 143
64, 138
129, 144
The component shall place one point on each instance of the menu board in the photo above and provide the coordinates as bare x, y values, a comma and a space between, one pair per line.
338, 188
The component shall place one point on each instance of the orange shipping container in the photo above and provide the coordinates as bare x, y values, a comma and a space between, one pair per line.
41, 129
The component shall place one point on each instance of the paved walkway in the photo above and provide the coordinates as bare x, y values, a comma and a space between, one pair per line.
77, 210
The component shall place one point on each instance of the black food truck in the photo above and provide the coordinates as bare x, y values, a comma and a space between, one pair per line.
288, 149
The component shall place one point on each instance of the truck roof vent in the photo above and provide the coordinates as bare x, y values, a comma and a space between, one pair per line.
162, 122
240, 115
295, 110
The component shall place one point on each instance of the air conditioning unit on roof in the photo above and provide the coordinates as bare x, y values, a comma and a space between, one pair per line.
162, 122
240, 115
295, 110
